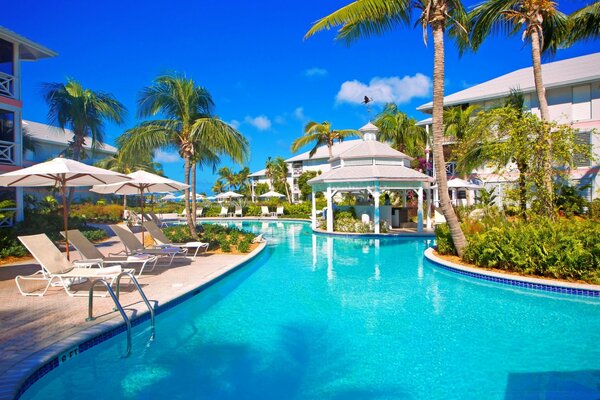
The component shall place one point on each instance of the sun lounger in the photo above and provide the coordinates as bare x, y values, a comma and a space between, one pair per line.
264, 211
162, 240
134, 247
89, 252
156, 219
259, 238
279, 211
238, 212
55, 268
223, 212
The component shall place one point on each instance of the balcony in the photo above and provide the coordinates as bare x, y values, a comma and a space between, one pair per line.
297, 171
451, 168
7, 85
7, 217
7, 153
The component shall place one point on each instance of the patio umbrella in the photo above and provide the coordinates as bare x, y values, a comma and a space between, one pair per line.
228, 195
62, 173
168, 197
458, 183
141, 182
272, 193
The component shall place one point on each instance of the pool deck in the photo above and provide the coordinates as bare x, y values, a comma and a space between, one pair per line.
35, 329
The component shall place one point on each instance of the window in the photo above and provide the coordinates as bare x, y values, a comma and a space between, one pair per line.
6, 57
7, 126
579, 159
582, 103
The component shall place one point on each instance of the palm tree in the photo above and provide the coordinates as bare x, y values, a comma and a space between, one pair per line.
545, 28
321, 134
401, 131
228, 177
218, 187
242, 180
84, 111
365, 18
187, 121
458, 121
584, 24
203, 157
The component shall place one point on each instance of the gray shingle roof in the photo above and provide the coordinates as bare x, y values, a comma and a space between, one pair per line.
323, 153
52, 134
371, 173
559, 73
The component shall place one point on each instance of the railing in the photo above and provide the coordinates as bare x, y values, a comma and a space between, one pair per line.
7, 152
7, 217
7, 85
297, 171
450, 168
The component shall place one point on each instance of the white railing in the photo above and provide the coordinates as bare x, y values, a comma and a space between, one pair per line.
7, 152
7, 85
297, 171
450, 168
9, 217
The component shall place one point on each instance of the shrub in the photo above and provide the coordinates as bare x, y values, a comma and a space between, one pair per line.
244, 245
97, 212
178, 234
594, 209
445, 245
94, 235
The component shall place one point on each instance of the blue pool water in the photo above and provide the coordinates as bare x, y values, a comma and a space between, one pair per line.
316, 317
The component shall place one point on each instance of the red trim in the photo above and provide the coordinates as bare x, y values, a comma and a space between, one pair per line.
11, 102
8, 168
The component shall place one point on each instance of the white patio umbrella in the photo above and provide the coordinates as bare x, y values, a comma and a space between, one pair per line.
458, 183
272, 193
168, 197
62, 173
141, 182
228, 195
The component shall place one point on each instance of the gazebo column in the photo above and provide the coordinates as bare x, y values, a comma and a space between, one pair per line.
329, 195
420, 210
376, 194
404, 198
429, 200
313, 213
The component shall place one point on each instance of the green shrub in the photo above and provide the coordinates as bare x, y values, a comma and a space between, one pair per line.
178, 234
94, 235
445, 245
97, 212
565, 249
594, 209
244, 245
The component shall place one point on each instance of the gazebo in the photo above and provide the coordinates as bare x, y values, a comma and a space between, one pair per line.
371, 167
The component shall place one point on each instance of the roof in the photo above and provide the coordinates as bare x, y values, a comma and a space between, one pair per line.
323, 153
28, 49
369, 127
372, 149
53, 134
261, 172
554, 74
395, 173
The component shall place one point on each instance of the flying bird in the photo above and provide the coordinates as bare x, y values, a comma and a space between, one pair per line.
367, 100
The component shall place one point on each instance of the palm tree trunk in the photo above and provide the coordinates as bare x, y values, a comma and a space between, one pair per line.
194, 203
188, 215
438, 137
547, 190
522, 189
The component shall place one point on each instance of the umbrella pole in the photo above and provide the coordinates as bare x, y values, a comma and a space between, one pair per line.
63, 190
142, 204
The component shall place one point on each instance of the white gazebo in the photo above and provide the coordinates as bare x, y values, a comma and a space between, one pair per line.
372, 167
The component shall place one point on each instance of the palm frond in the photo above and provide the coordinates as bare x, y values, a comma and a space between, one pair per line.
584, 24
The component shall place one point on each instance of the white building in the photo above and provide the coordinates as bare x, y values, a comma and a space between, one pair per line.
573, 94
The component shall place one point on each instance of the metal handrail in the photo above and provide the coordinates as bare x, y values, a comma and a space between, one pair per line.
142, 295
118, 306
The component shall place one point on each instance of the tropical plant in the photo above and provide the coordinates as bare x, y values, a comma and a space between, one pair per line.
365, 18
277, 172
218, 187
545, 28
84, 111
305, 188
322, 135
401, 131
584, 24
187, 121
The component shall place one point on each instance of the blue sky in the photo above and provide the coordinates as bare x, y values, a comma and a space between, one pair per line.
265, 79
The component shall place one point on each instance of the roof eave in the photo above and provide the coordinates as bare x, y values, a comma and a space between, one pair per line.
35, 51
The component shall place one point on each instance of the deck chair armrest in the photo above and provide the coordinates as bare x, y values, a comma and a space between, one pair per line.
89, 262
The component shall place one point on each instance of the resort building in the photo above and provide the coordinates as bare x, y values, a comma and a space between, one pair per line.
14, 49
573, 94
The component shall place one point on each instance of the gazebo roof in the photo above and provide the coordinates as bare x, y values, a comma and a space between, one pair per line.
369, 173
371, 149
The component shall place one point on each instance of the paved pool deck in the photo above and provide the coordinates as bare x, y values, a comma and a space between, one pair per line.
34, 329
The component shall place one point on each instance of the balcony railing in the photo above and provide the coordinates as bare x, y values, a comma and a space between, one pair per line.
450, 168
7, 85
7, 219
7, 152
297, 171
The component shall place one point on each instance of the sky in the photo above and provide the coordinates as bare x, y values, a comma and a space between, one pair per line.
265, 79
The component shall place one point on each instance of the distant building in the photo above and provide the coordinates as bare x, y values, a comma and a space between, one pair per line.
573, 94
14, 49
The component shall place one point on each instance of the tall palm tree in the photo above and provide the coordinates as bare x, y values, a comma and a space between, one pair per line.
187, 119
228, 177
242, 180
321, 134
541, 24
365, 18
458, 121
218, 187
84, 111
401, 131
203, 157
584, 24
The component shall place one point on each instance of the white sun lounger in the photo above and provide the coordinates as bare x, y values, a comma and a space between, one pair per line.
162, 240
55, 268
264, 211
90, 253
133, 246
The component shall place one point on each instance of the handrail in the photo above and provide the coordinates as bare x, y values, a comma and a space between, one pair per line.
117, 304
142, 295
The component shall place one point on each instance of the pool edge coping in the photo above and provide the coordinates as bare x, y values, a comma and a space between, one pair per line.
22, 375
540, 284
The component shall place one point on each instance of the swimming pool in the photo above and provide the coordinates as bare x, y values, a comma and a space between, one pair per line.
318, 317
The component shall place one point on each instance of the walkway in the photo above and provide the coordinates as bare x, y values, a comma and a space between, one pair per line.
28, 325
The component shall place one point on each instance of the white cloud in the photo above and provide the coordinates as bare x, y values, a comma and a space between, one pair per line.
385, 90
166, 157
315, 72
299, 113
235, 124
280, 119
262, 122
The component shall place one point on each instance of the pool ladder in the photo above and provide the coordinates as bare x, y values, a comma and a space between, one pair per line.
119, 307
